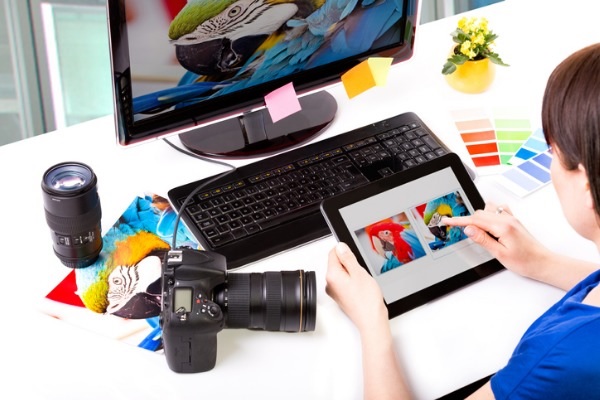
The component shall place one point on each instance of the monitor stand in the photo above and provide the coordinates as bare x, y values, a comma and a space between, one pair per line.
254, 134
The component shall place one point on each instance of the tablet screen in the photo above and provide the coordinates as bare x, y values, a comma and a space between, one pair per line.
396, 232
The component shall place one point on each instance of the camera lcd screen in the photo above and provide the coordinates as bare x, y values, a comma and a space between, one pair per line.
182, 299
394, 226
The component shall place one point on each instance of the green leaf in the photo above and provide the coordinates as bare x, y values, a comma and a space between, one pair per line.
457, 36
448, 68
490, 37
495, 58
458, 59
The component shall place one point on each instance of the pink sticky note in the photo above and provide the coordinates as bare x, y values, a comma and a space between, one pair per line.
282, 102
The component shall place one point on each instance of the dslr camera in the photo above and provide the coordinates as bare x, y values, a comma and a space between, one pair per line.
200, 298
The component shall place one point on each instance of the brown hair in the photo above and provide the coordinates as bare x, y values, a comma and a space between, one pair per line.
571, 114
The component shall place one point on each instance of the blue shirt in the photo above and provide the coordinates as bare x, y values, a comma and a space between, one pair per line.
559, 355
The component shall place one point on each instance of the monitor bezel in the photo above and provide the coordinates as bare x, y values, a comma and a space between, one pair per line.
129, 132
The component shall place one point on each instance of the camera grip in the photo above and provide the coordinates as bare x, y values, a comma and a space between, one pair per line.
191, 353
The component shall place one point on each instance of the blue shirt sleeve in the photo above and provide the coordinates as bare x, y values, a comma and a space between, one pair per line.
559, 355
569, 369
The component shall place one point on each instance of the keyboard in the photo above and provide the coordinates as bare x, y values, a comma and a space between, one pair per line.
273, 204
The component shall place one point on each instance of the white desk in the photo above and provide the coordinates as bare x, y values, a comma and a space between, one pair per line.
443, 345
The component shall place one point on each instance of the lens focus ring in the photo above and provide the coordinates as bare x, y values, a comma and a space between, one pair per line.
238, 300
74, 224
273, 301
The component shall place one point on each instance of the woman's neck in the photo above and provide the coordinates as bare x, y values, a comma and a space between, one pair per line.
593, 297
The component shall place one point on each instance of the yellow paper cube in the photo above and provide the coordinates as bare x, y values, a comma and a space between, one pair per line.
369, 73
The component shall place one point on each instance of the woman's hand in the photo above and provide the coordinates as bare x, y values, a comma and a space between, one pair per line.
500, 233
359, 296
356, 292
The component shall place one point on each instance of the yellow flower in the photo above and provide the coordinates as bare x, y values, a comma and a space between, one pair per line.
478, 39
466, 49
483, 26
473, 25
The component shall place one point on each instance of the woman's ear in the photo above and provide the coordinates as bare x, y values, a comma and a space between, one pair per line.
585, 182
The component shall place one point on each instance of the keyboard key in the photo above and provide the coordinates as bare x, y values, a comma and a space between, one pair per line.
239, 233
221, 219
233, 225
253, 228
211, 232
207, 224
221, 240
431, 142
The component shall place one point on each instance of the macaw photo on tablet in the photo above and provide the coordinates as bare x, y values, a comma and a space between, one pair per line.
394, 227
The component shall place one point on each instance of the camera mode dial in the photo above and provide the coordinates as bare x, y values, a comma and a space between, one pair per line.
208, 308
212, 310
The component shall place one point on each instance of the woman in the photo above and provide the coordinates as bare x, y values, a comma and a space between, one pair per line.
559, 355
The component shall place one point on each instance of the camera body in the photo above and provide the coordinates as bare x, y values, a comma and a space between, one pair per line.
200, 298
190, 320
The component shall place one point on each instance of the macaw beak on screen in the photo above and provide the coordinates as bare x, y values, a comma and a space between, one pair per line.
218, 55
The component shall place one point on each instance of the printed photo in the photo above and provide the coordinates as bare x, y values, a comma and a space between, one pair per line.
120, 294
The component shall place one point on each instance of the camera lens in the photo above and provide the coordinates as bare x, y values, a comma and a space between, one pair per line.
273, 301
73, 213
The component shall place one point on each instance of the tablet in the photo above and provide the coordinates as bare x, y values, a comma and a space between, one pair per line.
394, 228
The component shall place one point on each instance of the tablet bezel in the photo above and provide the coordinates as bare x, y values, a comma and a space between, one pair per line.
330, 209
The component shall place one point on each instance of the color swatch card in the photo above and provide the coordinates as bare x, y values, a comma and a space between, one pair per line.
528, 176
534, 145
492, 137
513, 128
500, 141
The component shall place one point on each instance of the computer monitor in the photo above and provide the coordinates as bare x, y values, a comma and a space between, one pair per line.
202, 68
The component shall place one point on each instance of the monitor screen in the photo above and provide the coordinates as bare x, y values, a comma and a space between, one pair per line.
201, 68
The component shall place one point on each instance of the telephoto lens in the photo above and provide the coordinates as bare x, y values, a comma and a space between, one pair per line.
73, 213
273, 301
